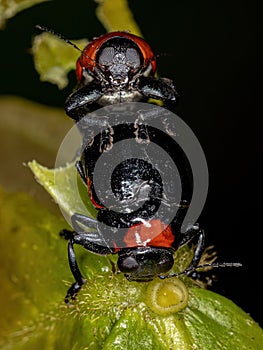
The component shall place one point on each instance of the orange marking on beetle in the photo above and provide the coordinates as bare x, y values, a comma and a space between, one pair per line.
153, 233
96, 205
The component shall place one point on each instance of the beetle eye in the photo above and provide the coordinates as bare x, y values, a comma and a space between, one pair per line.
133, 58
106, 56
165, 265
128, 264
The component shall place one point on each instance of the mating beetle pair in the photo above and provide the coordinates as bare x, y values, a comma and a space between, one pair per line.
116, 68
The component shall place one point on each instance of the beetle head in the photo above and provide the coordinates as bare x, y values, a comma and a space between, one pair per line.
145, 263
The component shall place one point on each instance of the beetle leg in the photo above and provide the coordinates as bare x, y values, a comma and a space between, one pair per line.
91, 241
79, 279
91, 124
106, 141
191, 234
198, 251
84, 220
188, 236
79, 102
158, 89
81, 172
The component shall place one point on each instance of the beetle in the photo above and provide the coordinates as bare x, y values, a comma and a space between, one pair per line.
142, 236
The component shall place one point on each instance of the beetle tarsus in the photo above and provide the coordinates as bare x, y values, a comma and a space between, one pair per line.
66, 234
79, 279
73, 292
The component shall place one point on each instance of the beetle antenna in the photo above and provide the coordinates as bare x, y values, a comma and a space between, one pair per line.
60, 36
192, 269
163, 54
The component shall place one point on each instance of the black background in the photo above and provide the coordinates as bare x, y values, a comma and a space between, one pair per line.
214, 56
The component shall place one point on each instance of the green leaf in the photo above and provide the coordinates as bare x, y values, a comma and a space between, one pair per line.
9, 8
108, 12
54, 59
110, 312
219, 323
64, 185
29, 285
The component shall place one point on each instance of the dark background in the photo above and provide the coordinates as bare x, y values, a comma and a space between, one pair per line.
214, 56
